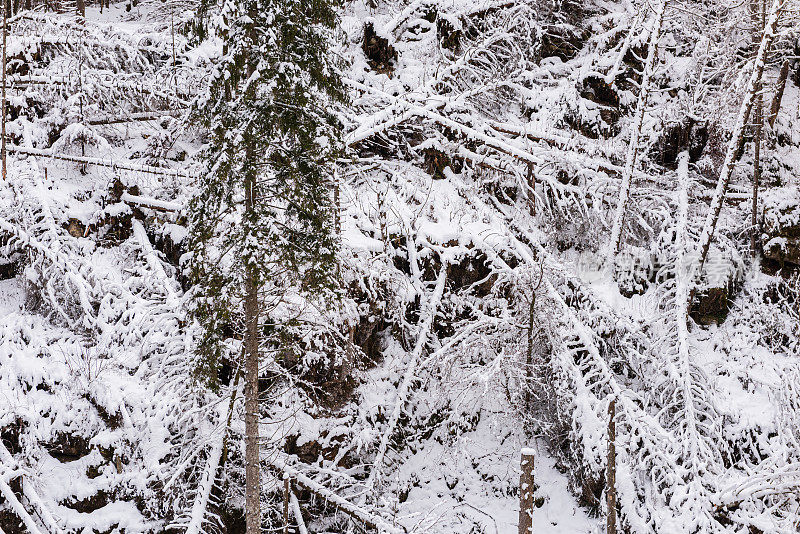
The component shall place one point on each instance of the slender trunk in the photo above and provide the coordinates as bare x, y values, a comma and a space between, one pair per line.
3, 142
758, 12
532, 185
81, 5
287, 487
756, 176
337, 222
251, 311
779, 89
252, 453
529, 359
611, 470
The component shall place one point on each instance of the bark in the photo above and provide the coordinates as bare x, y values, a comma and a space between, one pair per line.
758, 12
3, 110
81, 8
287, 488
252, 453
529, 353
251, 311
737, 137
531, 183
611, 470
526, 490
779, 88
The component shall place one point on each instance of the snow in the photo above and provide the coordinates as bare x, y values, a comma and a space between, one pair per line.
12, 296
423, 363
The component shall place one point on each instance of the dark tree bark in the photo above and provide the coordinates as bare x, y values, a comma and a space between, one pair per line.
611, 470
779, 89
526, 489
759, 15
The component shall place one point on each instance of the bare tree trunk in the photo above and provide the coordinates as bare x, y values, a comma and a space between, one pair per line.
531, 182
251, 416
779, 88
758, 14
81, 7
251, 339
611, 470
3, 142
529, 353
526, 489
287, 488
337, 204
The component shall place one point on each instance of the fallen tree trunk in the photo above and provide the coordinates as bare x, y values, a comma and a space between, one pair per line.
133, 117
100, 162
281, 466
151, 203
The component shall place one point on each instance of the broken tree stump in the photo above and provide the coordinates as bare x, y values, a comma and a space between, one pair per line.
526, 489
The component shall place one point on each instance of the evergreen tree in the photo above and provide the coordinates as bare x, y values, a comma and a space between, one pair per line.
262, 219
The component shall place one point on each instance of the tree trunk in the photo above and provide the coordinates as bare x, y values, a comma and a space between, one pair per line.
611, 470
758, 14
252, 453
526, 489
251, 340
3, 141
529, 362
81, 7
779, 88
287, 487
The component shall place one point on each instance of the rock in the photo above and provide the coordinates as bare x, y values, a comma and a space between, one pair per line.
596, 112
634, 269
69, 447
722, 277
380, 54
781, 224
10, 265
436, 162
685, 135
448, 34
116, 223
76, 228
562, 41
597, 90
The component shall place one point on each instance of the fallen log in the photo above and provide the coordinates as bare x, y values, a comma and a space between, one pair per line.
281, 466
100, 162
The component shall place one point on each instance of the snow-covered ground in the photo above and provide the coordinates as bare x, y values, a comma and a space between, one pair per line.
100, 408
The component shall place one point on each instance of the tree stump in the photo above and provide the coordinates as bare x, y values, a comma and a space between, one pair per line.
526, 489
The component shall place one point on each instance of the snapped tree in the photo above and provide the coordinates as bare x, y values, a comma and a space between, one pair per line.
262, 220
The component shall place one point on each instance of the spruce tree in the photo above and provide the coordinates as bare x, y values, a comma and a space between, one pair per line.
262, 219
